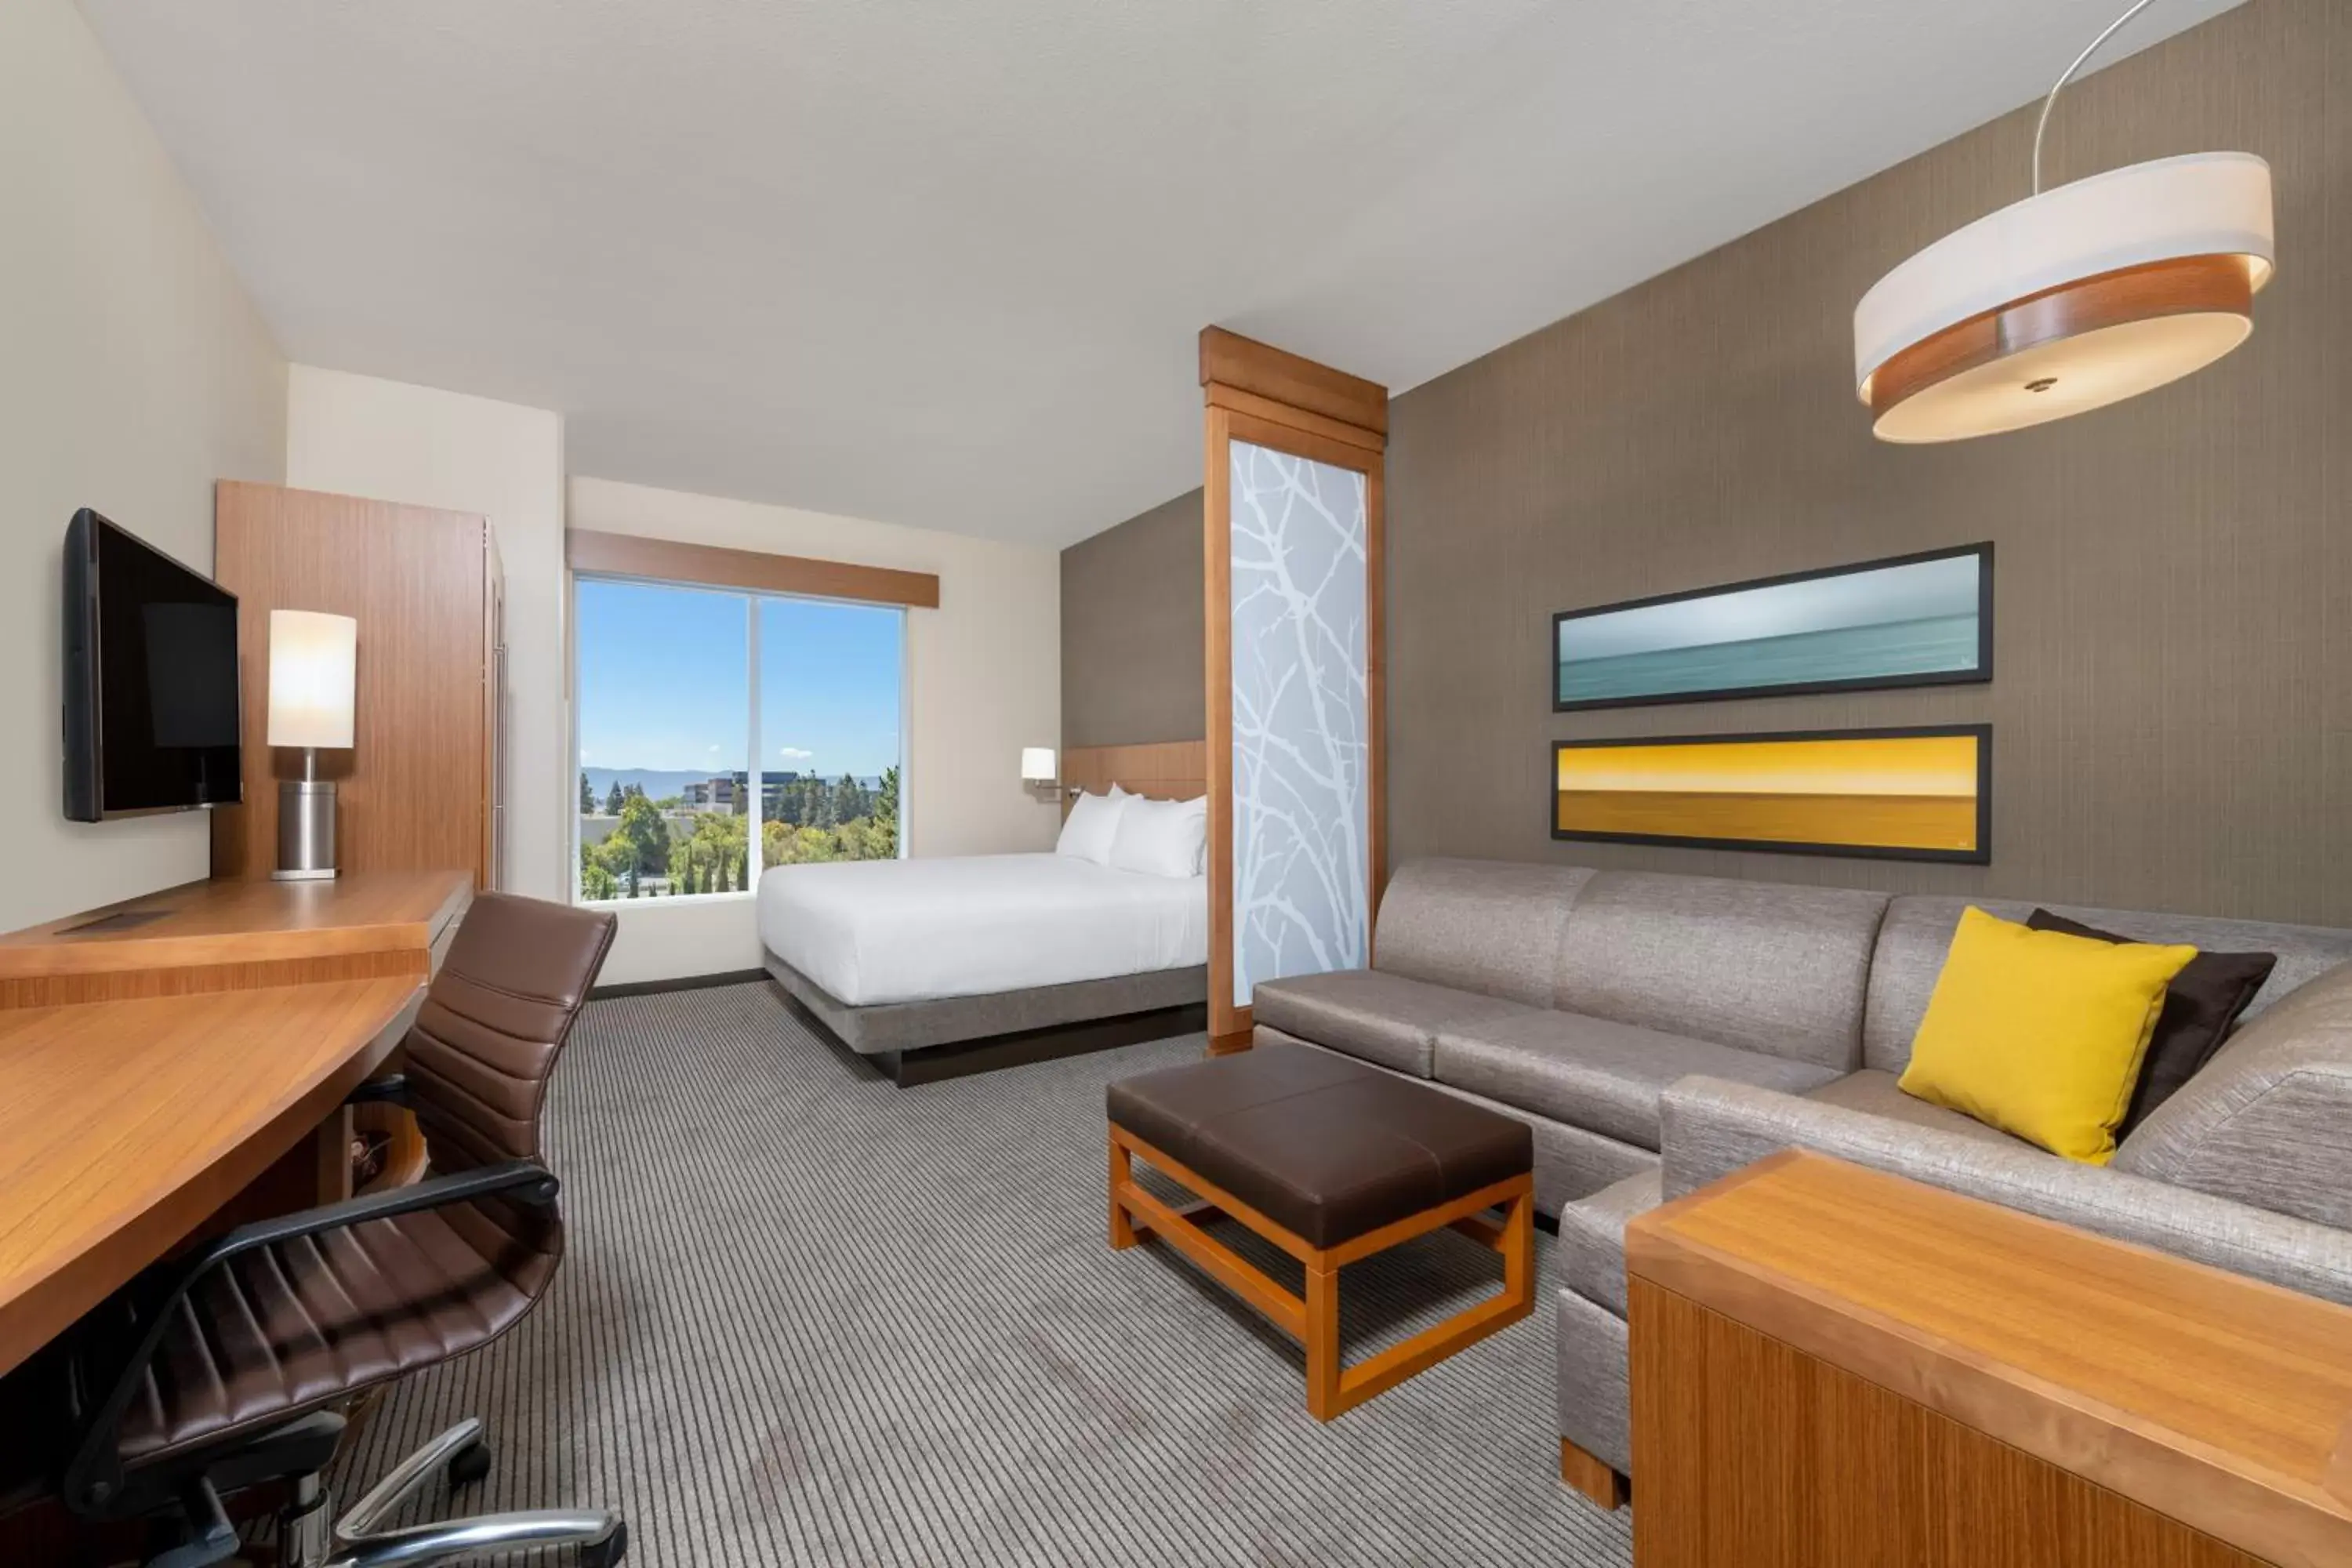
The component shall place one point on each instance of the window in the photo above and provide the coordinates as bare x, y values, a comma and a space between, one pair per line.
704, 712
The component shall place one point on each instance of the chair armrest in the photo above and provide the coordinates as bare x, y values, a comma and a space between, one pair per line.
390, 1089
1711, 1127
525, 1181
92, 1476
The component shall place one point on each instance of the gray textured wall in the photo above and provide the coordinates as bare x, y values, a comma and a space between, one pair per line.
2173, 708
1133, 640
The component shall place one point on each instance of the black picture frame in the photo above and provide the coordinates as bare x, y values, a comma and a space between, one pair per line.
1979, 855
1981, 673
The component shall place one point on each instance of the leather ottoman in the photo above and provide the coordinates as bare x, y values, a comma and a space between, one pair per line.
1331, 1161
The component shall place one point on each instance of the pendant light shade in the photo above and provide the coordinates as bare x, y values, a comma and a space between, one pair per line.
2075, 298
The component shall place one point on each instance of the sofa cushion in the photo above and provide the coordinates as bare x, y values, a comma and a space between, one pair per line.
1489, 926
2041, 1034
1591, 1251
1917, 932
1596, 1073
2268, 1123
1383, 1018
2201, 1007
1759, 965
1874, 1093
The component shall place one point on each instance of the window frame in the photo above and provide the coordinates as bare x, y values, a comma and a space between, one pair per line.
752, 598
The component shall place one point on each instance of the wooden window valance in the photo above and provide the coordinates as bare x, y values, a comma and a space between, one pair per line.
710, 565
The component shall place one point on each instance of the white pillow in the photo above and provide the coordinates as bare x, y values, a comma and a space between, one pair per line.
1092, 824
1160, 837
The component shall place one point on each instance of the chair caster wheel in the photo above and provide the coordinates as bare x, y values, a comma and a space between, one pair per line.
470, 1464
608, 1553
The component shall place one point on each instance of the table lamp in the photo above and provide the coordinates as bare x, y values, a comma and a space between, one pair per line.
313, 689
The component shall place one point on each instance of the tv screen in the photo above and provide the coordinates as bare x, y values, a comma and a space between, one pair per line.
150, 709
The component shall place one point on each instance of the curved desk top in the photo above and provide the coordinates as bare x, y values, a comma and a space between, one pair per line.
154, 1067
124, 1125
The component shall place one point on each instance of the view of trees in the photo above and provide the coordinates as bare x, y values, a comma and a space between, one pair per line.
839, 821
657, 847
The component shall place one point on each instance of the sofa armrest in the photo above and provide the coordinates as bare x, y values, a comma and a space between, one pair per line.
1711, 1128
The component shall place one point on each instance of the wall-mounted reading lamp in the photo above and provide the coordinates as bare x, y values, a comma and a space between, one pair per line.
1037, 772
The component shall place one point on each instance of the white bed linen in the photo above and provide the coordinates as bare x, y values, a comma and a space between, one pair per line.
871, 932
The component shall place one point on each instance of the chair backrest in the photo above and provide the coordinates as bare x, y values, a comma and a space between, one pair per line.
493, 1022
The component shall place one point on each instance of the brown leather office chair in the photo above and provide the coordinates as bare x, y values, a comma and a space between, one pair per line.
213, 1374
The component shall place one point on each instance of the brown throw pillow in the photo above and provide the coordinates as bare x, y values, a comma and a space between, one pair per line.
2200, 1006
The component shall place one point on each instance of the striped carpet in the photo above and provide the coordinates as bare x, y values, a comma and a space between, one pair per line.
809, 1318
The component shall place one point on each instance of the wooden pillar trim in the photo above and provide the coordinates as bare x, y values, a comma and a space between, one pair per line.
668, 561
1265, 410
1262, 371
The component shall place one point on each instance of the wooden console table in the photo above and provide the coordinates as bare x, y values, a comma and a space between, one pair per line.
176, 1056
1834, 1368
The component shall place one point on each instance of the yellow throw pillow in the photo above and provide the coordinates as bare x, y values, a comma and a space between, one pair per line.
2040, 1034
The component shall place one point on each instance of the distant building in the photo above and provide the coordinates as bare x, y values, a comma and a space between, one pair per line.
731, 791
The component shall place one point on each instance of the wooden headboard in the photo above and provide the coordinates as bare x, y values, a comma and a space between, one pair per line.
1170, 769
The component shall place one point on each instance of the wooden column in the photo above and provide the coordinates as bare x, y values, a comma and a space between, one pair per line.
419, 790
1267, 398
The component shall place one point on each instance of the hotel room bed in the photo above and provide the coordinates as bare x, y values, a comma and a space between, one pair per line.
909, 961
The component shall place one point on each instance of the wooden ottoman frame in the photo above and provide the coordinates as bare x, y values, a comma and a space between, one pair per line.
1314, 1319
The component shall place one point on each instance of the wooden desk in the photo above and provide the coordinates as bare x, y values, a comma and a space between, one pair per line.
1833, 1367
153, 1070
123, 1125
235, 935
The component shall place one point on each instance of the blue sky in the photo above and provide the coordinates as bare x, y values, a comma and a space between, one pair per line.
663, 681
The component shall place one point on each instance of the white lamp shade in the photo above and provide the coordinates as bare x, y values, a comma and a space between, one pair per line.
1037, 764
313, 677
2068, 300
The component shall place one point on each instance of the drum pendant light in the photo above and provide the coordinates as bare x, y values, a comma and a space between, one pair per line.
2070, 299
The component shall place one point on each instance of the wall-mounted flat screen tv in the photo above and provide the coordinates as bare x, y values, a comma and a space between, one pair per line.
151, 700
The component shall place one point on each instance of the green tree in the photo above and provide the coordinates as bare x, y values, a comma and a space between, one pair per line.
587, 795
641, 828
596, 880
613, 799
886, 818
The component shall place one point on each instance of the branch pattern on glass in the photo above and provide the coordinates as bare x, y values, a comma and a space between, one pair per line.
1302, 838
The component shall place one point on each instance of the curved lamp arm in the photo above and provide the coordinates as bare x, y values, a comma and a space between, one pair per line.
2050, 103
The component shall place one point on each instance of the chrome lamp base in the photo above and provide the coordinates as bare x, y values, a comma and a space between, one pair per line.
306, 825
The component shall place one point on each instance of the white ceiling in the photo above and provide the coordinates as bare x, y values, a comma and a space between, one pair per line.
941, 262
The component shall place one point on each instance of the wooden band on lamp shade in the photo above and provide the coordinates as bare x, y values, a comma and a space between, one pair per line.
2068, 300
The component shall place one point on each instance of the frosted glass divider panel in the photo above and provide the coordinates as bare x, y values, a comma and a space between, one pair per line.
1301, 718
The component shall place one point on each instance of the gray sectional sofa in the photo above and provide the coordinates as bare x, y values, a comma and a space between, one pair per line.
1660, 1031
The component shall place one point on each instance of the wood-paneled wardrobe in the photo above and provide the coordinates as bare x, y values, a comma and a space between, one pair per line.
422, 788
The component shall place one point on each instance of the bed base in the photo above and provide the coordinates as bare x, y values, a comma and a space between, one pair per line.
921, 1042
1019, 1048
